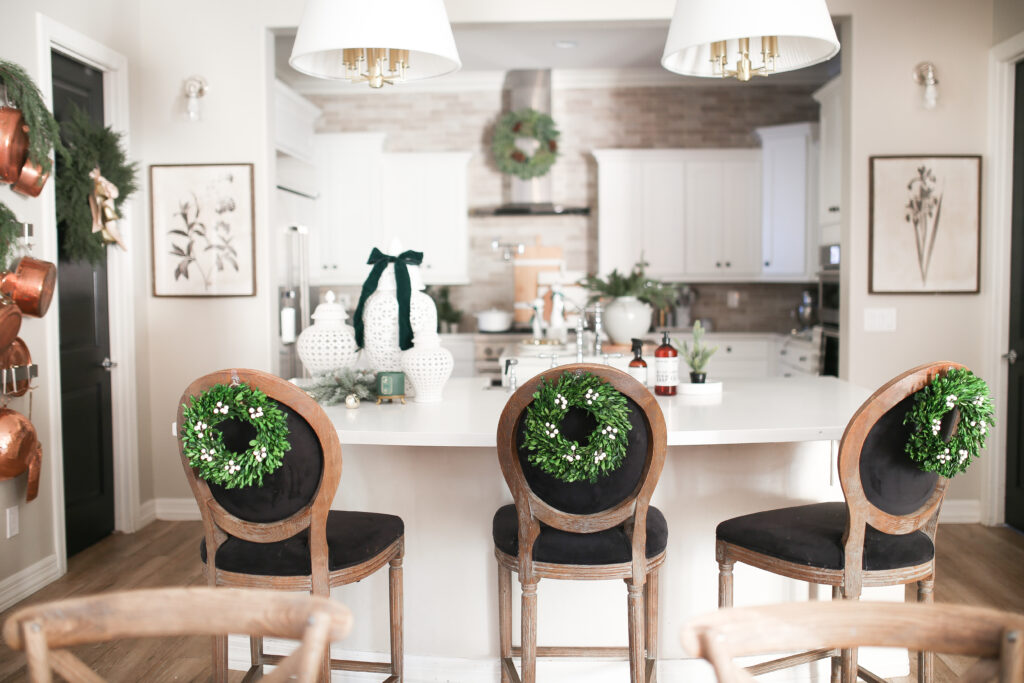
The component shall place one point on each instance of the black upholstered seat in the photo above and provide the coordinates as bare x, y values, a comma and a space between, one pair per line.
813, 535
352, 538
611, 546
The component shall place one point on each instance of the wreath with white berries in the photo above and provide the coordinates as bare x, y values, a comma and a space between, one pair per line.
958, 389
204, 445
604, 449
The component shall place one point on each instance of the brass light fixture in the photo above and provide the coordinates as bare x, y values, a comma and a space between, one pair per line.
744, 69
375, 65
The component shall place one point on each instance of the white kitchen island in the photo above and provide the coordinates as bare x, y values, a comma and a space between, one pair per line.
763, 443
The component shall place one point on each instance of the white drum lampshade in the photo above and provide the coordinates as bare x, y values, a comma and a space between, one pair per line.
414, 36
803, 28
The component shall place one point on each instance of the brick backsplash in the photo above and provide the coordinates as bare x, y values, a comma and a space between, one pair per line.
642, 117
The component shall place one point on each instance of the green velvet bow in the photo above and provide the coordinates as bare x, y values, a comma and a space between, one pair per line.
379, 260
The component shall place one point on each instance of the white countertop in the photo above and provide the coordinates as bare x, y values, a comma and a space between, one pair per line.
764, 410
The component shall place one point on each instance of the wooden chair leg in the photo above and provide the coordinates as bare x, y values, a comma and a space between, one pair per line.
848, 664
528, 672
651, 618
504, 619
836, 661
637, 664
256, 654
220, 659
925, 660
395, 594
725, 582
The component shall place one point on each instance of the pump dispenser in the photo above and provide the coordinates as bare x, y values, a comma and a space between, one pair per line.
638, 366
666, 368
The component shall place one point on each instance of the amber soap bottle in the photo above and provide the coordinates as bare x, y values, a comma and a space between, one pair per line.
666, 368
638, 366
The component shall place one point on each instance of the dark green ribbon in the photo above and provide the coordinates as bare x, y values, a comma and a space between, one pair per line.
379, 260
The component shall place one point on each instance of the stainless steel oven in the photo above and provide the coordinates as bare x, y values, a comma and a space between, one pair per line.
828, 308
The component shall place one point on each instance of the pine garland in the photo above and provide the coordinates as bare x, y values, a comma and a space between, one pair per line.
43, 131
88, 146
10, 231
332, 389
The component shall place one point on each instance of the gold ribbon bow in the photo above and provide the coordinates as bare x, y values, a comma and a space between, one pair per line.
101, 202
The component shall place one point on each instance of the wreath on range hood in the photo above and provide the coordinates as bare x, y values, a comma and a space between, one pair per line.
530, 124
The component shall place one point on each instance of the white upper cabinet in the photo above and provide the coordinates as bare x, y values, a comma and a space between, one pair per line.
294, 123
830, 185
723, 215
789, 208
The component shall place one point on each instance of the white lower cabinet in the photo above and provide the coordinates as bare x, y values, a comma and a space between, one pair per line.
797, 357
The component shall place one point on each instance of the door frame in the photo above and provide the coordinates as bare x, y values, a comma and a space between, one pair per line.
52, 35
1003, 59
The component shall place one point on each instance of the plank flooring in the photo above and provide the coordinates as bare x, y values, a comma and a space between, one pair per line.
977, 565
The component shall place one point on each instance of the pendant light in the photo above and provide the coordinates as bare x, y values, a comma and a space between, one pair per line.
745, 38
375, 42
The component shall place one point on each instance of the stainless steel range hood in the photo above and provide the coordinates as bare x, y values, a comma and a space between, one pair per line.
530, 89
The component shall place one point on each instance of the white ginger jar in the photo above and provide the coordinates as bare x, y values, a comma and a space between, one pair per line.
627, 317
328, 344
427, 366
380, 319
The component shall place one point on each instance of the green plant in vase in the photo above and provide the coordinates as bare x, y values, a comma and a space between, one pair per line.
698, 355
633, 296
448, 316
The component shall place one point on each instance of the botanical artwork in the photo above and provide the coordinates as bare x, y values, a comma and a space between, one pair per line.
925, 224
202, 223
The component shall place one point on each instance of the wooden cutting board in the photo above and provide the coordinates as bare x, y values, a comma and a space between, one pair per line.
535, 259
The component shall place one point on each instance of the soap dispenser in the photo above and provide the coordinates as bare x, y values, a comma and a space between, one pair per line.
666, 368
638, 366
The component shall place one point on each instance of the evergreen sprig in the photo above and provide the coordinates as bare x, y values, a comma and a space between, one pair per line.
43, 131
958, 389
636, 283
204, 444
10, 231
698, 355
333, 388
88, 146
605, 447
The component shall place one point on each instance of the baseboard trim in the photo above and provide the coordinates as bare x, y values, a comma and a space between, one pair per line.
20, 585
147, 513
965, 511
176, 509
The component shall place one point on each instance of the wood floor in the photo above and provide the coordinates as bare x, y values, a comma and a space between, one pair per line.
976, 565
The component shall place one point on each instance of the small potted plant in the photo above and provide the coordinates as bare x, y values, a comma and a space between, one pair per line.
633, 298
698, 355
448, 316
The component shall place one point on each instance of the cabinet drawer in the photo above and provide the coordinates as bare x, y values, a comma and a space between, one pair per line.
719, 368
743, 349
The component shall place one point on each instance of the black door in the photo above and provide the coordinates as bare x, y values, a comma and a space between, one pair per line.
84, 344
1014, 424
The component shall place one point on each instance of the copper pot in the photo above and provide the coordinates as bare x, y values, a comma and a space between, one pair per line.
13, 143
17, 355
30, 284
31, 180
10, 322
19, 450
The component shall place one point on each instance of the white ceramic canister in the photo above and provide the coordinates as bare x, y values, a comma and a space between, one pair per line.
626, 317
328, 344
427, 366
380, 319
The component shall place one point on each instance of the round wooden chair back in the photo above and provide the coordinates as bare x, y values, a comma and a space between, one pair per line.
882, 485
995, 636
43, 630
584, 507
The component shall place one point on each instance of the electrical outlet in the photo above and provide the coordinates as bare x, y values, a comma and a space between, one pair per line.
732, 299
12, 521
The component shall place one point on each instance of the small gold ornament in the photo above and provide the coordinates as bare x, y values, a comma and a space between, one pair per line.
101, 202
351, 401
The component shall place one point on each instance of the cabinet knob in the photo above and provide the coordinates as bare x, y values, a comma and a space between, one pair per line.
728, 349
767, 263
718, 264
782, 352
728, 265
833, 209
803, 359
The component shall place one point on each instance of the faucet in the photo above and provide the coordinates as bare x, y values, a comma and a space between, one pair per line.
581, 325
510, 373
598, 328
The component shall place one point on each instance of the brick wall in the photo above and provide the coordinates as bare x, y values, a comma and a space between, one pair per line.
644, 117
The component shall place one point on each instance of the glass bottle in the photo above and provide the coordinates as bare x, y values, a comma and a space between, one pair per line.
638, 366
666, 368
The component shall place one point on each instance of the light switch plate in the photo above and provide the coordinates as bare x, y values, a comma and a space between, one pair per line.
12, 521
732, 299
880, 319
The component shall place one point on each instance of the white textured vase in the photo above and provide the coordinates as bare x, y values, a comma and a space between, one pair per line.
427, 366
328, 344
626, 318
380, 319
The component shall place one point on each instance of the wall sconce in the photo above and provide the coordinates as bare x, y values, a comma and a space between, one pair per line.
924, 74
195, 88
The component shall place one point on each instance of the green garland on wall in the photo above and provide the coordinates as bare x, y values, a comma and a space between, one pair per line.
23, 93
89, 146
525, 123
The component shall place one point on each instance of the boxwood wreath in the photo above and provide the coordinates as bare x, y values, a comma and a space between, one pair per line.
959, 389
204, 444
565, 459
525, 123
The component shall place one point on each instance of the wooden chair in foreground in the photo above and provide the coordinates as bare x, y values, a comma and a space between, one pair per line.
882, 535
284, 535
578, 530
44, 631
996, 637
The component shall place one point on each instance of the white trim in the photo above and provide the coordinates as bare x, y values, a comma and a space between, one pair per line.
175, 509
120, 277
464, 81
998, 209
960, 511
147, 513
19, 586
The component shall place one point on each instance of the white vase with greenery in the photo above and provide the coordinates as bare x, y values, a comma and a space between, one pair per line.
633, 299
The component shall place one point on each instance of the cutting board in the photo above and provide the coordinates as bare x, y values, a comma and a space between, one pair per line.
535, 259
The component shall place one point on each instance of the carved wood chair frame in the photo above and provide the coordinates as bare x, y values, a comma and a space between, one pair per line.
44, 631
640, 574
218, 524
995, 636
847, 582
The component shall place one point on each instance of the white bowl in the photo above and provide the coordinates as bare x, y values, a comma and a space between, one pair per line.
493, 320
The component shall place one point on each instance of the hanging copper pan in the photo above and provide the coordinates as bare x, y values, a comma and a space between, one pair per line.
13, 143
16, 355
30, 284
10, 322
31, 180
19, 450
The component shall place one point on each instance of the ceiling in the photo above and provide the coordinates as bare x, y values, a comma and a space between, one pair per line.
596, 46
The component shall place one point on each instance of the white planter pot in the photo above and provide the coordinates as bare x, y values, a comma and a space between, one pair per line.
427, 366
625, 318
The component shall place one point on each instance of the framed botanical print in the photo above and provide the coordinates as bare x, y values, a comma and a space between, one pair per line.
925, 224
203, 231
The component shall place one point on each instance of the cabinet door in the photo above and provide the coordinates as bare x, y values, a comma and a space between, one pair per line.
740, 196
620, 210
784, 206
663, 206
704, 216
830, 165
294, 123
